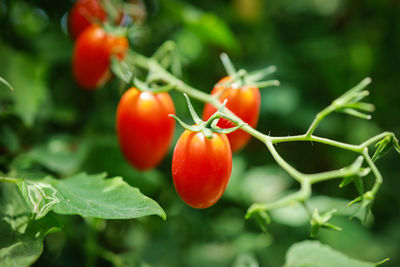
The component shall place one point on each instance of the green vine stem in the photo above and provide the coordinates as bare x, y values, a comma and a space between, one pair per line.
347, 103
8, 180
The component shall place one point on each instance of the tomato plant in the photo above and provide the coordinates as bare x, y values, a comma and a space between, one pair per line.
83, 14
144, 128
57, 142
92, 55
243, 101
201, 168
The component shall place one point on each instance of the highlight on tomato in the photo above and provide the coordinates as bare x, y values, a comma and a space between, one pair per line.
201, 168
243, 101
92, 56
144, 128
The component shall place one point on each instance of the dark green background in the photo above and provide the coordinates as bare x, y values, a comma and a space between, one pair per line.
321, 49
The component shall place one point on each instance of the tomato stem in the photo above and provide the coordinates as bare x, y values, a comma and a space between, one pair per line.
6, 84
229, 67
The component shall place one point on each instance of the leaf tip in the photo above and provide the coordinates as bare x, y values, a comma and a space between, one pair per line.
163, 215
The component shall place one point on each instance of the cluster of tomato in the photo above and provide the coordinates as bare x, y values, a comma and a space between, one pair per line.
201, 166
94, 45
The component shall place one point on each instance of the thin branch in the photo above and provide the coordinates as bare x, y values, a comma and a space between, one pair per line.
313, 138
375, 171
286, 166
318, 118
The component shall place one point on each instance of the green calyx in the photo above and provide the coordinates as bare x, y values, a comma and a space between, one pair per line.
383, 146
243, 78
115, 30
349, 102
112, 9
322, 221
153, 87
210, 126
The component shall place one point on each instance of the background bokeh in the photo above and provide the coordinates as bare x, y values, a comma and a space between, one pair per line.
321, 48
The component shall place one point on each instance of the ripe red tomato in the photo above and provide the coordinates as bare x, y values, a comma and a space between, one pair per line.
83, 14
244, 102
144, 128
92, 54
201, 168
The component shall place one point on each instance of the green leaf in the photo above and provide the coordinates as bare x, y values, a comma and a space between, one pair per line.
9, 139
88, 196
245, 260
259, 184
21, 241
207, 26
61, 154
27, 75
314, 254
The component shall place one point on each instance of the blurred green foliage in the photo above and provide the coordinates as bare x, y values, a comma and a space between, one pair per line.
48, 125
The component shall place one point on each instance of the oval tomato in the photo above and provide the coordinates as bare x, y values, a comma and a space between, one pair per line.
92, 55
83, 14
244, 102
144, 128
201, 168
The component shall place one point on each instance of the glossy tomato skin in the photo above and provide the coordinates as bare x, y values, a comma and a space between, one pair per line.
92, 55
144, 128
83, 14
201, 168
244, 102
